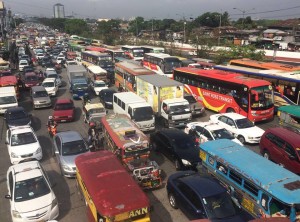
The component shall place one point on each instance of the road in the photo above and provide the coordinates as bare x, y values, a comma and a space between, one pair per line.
72, 208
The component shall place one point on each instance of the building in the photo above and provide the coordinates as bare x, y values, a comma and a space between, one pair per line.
59, 10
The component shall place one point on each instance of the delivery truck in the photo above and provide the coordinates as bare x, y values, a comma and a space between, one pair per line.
77, 80
165, 96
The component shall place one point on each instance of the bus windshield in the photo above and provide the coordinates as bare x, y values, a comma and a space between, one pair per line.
261, 98
138, 52
131, 152
170, 64
105, 63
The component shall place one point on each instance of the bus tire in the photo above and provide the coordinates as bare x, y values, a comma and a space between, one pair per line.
172, 201
230, 110
266, 155
241, 139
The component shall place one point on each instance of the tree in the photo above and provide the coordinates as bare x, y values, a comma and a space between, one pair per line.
109, 30
211, 19
136, 25
75, 26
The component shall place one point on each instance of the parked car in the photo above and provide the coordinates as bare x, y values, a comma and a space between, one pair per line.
22, 144
17, 116
30, 193
241, 127
98, 85
39, 97
281, 145
67, 146
40, 55
51, 86
64, 110
106, 97
179, 147
206, 131
59, 59
201, 197
196, 107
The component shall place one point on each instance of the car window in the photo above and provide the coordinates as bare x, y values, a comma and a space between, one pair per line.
22, 139
290, 150
270, 137
190, 195
279, 142
223, 119
63, 106
230, 122
207, 134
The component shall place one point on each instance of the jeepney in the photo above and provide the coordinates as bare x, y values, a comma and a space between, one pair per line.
289, 116
93, 112
131, 146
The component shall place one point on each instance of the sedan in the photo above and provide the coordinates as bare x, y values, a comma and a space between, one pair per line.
16, 116
64, 110
67, 146
241, 127
206, 131
179, 147
201, 197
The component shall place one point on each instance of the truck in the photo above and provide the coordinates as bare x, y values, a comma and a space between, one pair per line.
76, 71
77, 80
136, 108
165, 96
8, 98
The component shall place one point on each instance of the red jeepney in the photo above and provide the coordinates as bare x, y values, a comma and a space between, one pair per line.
110, 193
131, 146
10, 81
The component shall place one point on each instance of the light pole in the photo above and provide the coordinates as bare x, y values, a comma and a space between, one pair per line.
220, 23
244, 12
184, 23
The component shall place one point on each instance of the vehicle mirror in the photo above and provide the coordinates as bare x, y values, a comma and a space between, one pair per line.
56, 152
7, 196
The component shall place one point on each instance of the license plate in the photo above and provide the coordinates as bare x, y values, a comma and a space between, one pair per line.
63, 120
180, 124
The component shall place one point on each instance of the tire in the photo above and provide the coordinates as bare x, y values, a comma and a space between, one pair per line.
177, 165
172, 201
241, 139
266, 155
230, 110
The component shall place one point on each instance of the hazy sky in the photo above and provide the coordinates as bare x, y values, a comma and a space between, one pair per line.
175, 9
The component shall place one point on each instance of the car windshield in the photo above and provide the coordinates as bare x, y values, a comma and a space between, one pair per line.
52, 76
17, 115
109, 95
63, 106
142, 114
190, 99
22, 139
99, 84
39, 94
7, 100
23, 63
48, 84
222, 134
31, 78
244, 123
74, 148
80, 86
219, 206
31, 189
184, 143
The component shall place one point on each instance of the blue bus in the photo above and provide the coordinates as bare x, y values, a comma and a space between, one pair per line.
286, 84
261, 187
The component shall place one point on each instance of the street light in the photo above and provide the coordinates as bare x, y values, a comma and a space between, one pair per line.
184, 23
244, 12
220, 23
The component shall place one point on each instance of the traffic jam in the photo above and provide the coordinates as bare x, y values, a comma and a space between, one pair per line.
131, 133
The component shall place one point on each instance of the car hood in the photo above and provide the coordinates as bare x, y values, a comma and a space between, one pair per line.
25, 149
98, 89
50, 89
69, 160
235, 218
19, 122
40, 203
42, 99
252, 131
68, 112
189, 155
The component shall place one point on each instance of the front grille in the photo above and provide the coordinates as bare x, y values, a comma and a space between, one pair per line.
27, 155
37, 216
62, 117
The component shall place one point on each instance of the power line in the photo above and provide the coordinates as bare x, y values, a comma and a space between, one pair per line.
276, 10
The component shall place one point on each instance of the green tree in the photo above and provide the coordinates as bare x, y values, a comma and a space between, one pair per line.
136, 25
75, 26
109, 31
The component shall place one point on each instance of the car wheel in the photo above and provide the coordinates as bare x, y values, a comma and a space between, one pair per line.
241, 139
172, 201
230, 110
266, 155
177, 165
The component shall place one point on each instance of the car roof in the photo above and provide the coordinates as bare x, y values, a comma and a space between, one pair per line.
233, 116
26, 170
108, 90
207, 125
15, 109
173, 133
49, 80
69, 136
59, 101
286, 134
38, 88
21, 129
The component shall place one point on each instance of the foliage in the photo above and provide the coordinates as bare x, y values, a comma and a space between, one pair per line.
212, 19
75, 26
245, 23
54, 23
107, 30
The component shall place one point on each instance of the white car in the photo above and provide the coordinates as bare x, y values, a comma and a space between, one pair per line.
207, 131
22, 64
98, 85
55, 76
241, 127
70, 62
30, 194
51, 86
59, 59
40, 55
22, 144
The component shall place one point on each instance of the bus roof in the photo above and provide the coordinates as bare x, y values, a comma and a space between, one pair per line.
271, 177
291, 109
131, 46
8, 80
224, 76
123, 131
96, 69
95, 49
102, 173
160, 81
161, 55
133, 68
95, 53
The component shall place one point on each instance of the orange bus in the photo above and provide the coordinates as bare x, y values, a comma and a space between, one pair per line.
109, 192
248, 63
229, 92
131, 146
126, 73
10, 81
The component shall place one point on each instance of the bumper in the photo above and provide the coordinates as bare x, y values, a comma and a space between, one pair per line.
63, 119
178, 123
26, 158
69, 173
198, 112
254, 140
42, 105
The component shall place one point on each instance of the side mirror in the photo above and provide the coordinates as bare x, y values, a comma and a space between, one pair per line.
56, 152
7, 196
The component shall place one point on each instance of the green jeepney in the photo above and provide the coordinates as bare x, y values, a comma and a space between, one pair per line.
289, 116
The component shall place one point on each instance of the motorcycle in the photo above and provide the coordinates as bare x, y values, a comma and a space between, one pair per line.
52, 130
96, 141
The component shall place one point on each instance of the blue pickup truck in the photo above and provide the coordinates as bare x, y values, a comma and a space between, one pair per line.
79, 87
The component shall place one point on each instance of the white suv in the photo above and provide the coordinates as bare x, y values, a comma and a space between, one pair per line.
22, 144
51, 86
30, 194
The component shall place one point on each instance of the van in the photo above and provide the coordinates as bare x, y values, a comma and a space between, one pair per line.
136, 108
40, 97
8, 98
281, 145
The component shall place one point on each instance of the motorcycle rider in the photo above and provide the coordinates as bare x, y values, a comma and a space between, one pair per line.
51, 123
92, 132
86, 99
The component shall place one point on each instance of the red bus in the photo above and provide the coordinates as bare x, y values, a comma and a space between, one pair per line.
229, 92
95, 49
110, 193
10, 81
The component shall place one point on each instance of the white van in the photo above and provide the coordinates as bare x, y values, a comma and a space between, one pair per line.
140, 112
8, 98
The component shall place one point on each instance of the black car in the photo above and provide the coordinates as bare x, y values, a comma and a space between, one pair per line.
201, 197
28, 69
106, 97
179, 147
16, 116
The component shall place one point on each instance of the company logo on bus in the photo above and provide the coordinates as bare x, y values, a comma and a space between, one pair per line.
138, 212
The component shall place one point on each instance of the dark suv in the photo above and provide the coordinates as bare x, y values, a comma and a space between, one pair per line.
177, 146
282, 146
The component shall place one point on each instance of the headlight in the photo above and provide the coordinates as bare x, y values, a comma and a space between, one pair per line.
66, 168
39, 150
13, 155
186, 163
54, 203
16, 214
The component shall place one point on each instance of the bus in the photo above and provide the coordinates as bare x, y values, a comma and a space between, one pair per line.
6, 81
229, 92
131, 146
248, 63
126, 73
95, 49
262, 188
116, 54
160, 63
286, 85
108, 190
152, 49
133, 52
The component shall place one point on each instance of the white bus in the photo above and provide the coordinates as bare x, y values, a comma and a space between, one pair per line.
133, 52
152, 49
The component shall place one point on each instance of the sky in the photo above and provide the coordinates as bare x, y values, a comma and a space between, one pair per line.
159, 9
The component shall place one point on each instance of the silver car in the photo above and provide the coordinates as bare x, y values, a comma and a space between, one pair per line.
67, 146
40, 97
